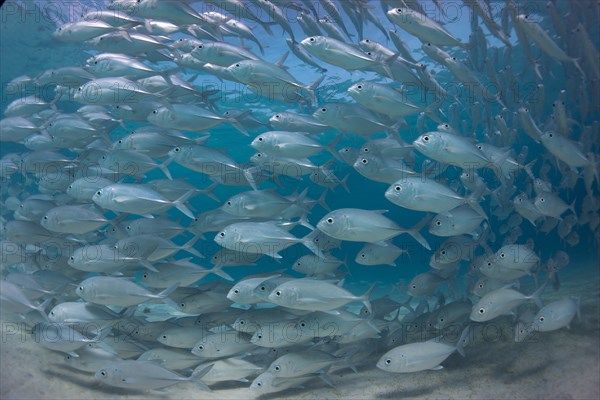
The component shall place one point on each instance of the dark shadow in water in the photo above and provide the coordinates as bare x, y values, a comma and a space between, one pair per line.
90, 383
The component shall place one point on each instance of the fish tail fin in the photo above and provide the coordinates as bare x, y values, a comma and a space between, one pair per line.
576, 63
572, 207
42, 308
473, 201
344, 184
197, 376
147, 264
365, 297
310, 89
528, 170
331, 147
234, 121
164, 168
432, 108
322, 203
536, 295
208, 191
218, 270
164, 295
182, 207
189, 247
249, 176
387, 63
304, 222
462, 341
346, 359
416, 234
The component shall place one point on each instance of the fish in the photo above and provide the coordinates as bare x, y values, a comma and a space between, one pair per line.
145, 375
424, 28
315, 295
360, 225
137, 199
120, 292
502, 301
556, 315
420, 356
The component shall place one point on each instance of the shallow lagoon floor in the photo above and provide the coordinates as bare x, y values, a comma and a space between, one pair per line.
564, 364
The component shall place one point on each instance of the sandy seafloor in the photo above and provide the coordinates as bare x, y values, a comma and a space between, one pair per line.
563, 364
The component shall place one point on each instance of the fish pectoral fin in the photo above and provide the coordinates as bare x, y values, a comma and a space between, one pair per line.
381, 243
437, 368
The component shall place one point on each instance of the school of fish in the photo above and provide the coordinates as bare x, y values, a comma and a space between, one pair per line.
133, 178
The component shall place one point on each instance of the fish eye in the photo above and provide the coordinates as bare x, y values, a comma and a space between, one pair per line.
502, 255
222, 234
182, 305
201, 347
489, 264
399, 10
441, 319
277, 368
330, 220
482, 311
388, 361
303, 324
260, 139
359, 87
45, 217
414, 286
72, 258
312, 39
480, 147
443, 252
79, 89
200, 46
258, 155
438, 222
398, 188
481, 286
323, 109
363, 255
177, 149
258, 384
80, 288
426, 138
145, 276
550, 135
263, 288
453, 58
541, 319
259, 336
277, 116
128, 227
103, 372
236, 291
364, 161
229, 203
278, 293
542, 199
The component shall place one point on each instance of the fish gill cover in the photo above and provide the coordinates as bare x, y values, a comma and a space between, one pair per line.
259, 194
